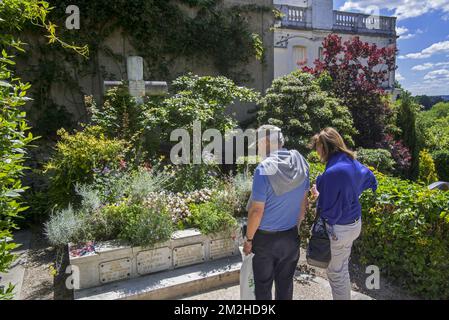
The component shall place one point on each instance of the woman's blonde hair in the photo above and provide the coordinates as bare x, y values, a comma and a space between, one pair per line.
332, 142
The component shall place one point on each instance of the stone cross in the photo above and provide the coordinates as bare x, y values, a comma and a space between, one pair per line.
138, 88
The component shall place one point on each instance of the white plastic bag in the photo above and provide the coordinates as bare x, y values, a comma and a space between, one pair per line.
247, 286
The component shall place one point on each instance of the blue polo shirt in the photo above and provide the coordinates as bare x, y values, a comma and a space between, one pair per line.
281, 213
340, 187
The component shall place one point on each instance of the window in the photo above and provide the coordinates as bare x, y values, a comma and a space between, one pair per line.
320, 53
299, 55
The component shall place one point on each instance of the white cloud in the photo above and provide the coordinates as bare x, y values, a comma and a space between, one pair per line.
430, 65
431, 87
436, 48
401, 30
403, 9
441, 74
423, 67
399, 77
432, 84
404, 33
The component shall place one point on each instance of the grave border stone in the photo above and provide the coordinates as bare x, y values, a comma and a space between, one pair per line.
88, 267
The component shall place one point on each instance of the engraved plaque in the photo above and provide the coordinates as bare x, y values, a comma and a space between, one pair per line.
153, 260
221, 248
187, 255
115, 270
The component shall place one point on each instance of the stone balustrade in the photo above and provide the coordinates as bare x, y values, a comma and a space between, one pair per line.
295, 17
363, 23
298, 18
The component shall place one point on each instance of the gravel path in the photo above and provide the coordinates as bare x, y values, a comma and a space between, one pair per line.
38, 281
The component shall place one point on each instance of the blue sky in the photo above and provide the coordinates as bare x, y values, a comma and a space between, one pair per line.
423, 26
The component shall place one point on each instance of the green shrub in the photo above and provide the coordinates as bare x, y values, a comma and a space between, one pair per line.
313, 157
143, 182
105, 223
405, 113
121, 117
406, 110
66, 226
406, 228
145, 226
202, 99
247, 165
205, 99
76, 158
380, 159
210, 218
441, 158
432, 128
105, 199
15, 16
232, 194
298, 105
427, 171
191, 177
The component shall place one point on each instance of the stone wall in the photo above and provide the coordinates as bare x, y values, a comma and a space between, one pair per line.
92, 84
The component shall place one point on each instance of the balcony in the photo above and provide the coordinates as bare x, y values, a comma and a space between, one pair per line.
364, 23
293, 17
358, 23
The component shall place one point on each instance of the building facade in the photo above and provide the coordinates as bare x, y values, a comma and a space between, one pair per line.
305, 24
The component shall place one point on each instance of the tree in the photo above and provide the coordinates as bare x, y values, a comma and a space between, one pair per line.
298, 104
14, 136
406, 112
432, 127
428, 102
427, 170
359, 70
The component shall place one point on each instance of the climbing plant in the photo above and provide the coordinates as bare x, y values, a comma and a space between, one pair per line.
162, 32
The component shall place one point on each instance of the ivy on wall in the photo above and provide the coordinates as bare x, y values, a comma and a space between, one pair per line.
159, 31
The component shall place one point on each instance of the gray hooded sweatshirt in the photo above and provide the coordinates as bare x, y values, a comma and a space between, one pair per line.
286, 170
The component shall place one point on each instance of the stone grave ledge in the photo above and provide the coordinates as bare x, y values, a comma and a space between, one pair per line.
113, 261
172, 284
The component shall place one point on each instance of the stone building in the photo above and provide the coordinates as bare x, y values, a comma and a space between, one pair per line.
305, 23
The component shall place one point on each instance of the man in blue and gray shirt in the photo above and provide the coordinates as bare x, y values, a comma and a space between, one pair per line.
275, 210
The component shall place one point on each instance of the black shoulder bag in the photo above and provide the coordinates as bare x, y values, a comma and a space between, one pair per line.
319, 248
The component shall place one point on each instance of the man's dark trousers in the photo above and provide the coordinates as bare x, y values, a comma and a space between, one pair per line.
275, 259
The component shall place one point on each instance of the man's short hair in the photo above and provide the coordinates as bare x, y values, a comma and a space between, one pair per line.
272, 133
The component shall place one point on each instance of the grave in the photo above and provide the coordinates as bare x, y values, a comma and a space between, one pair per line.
190, 259
190, 262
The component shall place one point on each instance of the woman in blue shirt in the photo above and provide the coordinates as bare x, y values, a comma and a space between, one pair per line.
338, 190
